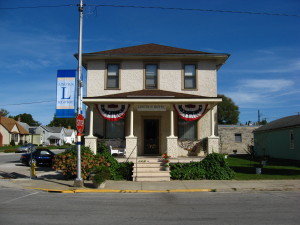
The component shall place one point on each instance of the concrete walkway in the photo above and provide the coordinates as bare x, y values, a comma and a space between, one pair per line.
66, 186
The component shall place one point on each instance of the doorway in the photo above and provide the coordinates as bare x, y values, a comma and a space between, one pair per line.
151, 137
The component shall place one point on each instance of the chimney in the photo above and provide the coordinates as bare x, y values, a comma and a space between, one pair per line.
19, 119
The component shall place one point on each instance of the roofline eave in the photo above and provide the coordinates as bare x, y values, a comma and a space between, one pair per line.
151, 100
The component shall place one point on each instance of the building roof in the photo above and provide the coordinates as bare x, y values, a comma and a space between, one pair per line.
9, 123
150, 49
286, 122
52, 129
154, 51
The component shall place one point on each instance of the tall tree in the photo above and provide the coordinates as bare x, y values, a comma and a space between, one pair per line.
63, 122
228, 111
27, 118
3, 112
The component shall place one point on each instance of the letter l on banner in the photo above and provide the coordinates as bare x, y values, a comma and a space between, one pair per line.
65, 93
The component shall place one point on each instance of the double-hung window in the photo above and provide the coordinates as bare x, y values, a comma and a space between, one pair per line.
189, 71
187, 130
151, 76
112, 80
238, 137
115, 129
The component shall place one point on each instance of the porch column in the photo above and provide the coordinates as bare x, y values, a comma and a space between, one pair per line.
91, 131
172, 122
212, 119
131, 123
131, 140
91, 140
212, 141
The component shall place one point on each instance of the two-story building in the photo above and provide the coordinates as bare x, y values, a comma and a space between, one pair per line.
153, 99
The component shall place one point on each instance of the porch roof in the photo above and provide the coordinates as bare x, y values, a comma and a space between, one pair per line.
152, 96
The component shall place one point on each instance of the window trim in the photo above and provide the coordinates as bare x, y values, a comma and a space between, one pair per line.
183, 76
238, 135
157, 75
196, 130
106, 75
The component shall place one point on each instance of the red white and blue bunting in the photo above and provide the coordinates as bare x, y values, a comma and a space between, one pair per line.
112, 112
190, 112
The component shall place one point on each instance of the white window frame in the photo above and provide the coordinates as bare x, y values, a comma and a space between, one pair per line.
187, 76
110, 76
154, 77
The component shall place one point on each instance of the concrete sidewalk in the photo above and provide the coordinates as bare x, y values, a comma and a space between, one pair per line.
66, 186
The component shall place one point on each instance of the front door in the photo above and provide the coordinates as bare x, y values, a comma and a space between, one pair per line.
151, 137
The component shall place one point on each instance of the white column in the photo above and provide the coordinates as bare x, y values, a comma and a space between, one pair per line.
212, 119
172, 122
91, 131
131, 123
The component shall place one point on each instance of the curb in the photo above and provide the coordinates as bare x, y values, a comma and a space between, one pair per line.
122, 191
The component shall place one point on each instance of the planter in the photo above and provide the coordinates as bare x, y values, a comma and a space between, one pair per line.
258, 170
98, 185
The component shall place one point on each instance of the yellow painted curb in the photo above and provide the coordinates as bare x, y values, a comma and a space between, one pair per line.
122, 191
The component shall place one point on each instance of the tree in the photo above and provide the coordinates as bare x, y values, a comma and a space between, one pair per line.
63, 122
3, 112
228, 112
26, 118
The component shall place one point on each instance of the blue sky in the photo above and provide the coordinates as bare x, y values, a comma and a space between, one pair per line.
262, 72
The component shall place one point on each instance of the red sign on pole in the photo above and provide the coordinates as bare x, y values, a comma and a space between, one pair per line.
80, 123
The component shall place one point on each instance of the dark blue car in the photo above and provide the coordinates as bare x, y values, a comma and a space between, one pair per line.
39, 156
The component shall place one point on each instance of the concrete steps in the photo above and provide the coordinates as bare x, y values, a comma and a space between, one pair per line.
150, 169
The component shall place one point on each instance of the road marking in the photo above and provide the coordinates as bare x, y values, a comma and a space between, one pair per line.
21, 197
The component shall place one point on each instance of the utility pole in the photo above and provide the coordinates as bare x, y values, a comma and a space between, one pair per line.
258, 117
78, 181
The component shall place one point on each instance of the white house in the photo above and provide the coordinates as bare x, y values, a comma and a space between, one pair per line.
153, 99
70, 136
51, 135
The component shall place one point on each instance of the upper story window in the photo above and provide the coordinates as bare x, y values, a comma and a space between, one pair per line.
189, 73
112, 80
151, 76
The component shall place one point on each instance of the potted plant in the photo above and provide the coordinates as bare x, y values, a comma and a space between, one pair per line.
166, 161
99, 175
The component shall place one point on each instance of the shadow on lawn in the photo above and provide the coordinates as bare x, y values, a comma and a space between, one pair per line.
266, 171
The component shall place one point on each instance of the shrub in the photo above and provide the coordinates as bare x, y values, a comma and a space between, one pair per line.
67, 162
118, 171
12, 143
100, 174
213, 167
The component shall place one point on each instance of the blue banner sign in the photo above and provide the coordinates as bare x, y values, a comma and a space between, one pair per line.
65, 93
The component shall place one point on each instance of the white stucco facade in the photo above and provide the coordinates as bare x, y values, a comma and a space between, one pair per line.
168, 92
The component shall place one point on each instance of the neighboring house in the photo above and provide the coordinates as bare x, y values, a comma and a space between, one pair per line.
279, 139
153, 99
12, 130
70, 136
236, 139
51, 135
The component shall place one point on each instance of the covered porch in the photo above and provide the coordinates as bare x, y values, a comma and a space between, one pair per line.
151, 124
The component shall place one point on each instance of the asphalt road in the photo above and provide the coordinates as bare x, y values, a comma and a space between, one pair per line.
35, 207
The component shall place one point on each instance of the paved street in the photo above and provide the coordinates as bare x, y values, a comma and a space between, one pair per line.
35, 207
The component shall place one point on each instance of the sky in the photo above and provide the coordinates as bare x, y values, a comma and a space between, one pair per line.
262, 72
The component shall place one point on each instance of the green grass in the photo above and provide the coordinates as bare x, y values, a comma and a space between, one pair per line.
9, 149
244, 168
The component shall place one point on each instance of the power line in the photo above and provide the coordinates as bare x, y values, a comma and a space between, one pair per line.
28, 103
162, 8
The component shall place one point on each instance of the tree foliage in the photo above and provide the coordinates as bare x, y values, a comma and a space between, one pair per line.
27, 118
4, 112
228, 111
63, 122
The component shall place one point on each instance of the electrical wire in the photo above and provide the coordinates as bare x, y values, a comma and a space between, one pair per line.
28, 103
159, 7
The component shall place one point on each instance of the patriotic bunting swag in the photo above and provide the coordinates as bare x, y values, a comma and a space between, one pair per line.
112, 112
190, 112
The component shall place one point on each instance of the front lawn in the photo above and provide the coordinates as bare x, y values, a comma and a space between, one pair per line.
244, 168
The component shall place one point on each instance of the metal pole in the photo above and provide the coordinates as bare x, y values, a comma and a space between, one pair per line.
79, 182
